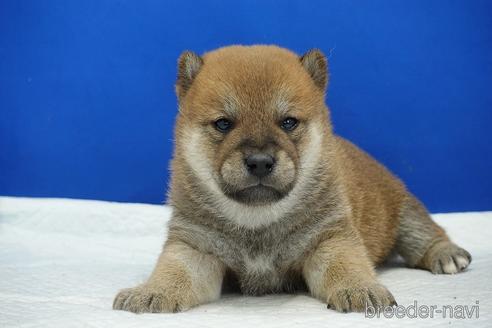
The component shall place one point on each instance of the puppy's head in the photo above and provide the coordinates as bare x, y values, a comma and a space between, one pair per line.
247, 119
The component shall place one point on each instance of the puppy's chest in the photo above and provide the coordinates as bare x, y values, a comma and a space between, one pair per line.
264, 263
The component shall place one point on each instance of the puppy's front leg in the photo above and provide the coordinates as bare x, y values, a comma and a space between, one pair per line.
183, 277
340, 273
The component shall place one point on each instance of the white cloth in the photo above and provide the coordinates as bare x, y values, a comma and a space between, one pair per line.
63, 261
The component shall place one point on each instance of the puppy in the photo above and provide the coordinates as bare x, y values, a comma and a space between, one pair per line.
265, 193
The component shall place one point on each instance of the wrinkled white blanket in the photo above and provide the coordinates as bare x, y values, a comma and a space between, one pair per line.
62, 262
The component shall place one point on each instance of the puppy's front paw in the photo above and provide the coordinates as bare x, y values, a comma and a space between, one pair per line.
146, 298
347, 299
446, 257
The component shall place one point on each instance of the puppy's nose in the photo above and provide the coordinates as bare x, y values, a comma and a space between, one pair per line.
260, 165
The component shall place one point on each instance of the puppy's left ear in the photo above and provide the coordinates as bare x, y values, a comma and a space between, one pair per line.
189, 64
315, 63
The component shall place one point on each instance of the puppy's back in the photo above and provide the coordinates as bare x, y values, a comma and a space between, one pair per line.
375, 195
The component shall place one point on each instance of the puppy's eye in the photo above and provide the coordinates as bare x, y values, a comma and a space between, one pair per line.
289, 124
223, 125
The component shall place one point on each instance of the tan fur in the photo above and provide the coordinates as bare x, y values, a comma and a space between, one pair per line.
181, 279
329, 212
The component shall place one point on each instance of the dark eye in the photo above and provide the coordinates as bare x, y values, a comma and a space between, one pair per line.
289, 124
223, 125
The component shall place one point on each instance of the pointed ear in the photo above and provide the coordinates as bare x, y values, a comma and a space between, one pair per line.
315, 63
189, 64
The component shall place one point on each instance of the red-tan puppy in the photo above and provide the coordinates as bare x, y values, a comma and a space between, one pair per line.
264, 192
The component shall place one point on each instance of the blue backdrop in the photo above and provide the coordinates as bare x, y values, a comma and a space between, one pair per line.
87, 98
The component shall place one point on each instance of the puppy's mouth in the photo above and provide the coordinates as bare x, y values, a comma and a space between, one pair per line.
258, 194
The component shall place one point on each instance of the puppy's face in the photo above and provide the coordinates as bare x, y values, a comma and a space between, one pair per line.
246, 116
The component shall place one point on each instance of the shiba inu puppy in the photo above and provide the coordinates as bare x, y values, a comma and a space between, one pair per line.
265, 194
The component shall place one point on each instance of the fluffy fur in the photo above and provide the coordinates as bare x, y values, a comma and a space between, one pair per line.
323, 219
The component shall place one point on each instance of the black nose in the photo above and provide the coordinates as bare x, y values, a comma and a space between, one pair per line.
260, 165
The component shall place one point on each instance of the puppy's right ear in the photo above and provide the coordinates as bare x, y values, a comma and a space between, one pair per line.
189, 64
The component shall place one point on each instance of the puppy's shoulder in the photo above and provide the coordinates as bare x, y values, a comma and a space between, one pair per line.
358, 166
